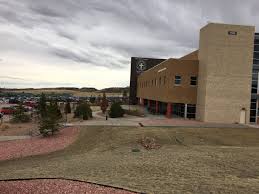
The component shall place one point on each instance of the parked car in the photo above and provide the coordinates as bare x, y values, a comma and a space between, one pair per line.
7, 110
27, 108
31, 104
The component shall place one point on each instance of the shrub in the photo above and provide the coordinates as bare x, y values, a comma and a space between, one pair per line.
19, 115
135, 150
83, 110
4, 127
116, 110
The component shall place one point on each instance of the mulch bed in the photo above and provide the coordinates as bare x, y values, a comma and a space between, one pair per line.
47, 186
37, 145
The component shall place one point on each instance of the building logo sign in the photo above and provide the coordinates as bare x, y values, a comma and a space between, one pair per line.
232, 33
141, 66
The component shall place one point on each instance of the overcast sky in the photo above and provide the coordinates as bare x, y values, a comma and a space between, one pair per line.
88, 43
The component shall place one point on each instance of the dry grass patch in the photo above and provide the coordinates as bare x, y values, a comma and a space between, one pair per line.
212, 160
9, 129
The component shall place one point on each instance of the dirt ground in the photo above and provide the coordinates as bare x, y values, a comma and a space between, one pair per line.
190, 160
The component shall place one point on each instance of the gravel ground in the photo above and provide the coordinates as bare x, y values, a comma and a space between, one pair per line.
37, 145
55, 186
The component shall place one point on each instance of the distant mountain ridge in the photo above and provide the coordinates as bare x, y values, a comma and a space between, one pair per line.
83, 89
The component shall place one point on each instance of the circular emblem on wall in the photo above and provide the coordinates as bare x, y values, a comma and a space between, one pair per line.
141, 66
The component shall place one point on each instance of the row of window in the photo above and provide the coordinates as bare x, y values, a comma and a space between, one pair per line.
254, 82
253, 111
162, 80
253, 106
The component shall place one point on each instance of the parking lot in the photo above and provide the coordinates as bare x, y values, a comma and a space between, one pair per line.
6, 118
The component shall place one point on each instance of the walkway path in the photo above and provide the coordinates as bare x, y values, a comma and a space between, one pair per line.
9, 138
159, 120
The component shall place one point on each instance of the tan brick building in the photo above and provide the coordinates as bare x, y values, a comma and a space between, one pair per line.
212, 84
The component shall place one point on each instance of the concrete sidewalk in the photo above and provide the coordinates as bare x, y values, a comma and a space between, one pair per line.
154, 121
10, 138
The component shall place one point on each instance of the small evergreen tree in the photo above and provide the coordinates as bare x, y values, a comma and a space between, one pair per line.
116, 110
19, 115
104, 103
42, 106
92, 99
83, 110
49, 122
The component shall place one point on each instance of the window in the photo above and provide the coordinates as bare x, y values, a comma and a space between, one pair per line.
193, 81
254, 87
160, 81
256, 55
191, 111
256, 61
256, 47
177, 80
164, 79
253, 110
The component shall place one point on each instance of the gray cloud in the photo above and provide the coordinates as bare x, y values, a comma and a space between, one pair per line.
12, 78
68, 54
66, 35
97, 33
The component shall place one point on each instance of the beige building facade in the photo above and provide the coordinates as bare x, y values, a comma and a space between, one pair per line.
212, 83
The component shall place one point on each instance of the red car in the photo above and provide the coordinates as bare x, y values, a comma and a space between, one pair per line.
7, 110
30, 104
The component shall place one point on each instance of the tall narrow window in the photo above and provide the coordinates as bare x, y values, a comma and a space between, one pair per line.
177, 80
164, 79
193, 81
160, 81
